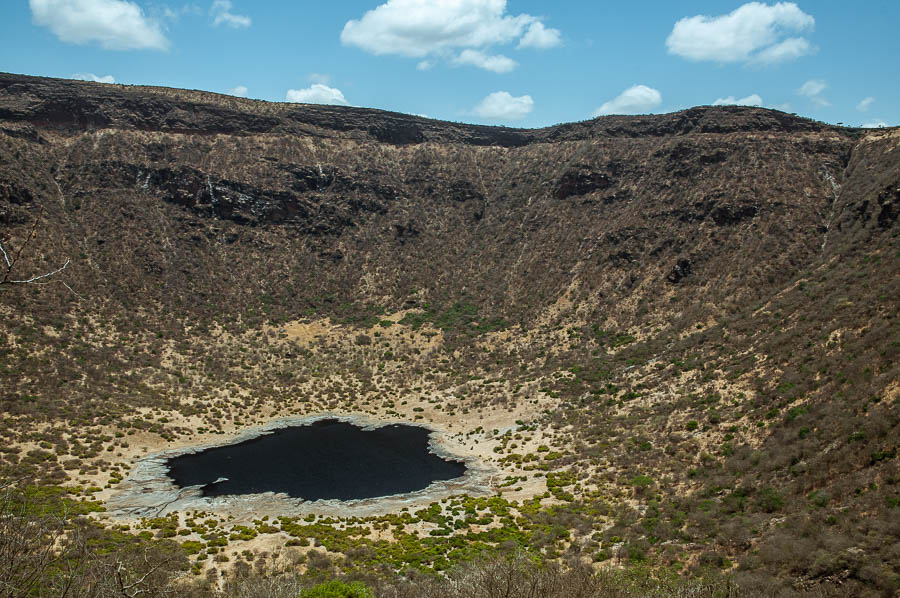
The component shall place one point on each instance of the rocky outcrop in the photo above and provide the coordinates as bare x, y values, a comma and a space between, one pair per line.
300, 206
680, 271
581, 182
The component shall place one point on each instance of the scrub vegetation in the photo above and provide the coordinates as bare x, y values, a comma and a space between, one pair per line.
675, 337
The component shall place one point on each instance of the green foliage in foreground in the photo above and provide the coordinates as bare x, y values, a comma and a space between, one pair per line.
512, 576
47, 548
49, 501
337, 589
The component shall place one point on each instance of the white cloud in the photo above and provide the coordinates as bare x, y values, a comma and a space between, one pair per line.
221, 13
442, 28
875, 125
865, 104
813, 89
634, 100
317, 93
424, 65
114, 24
754, 32
498, 63
239, 91
500, 105
417, 28
174, 14
539, 36
750, 100
790, 49
93, 77
319, 78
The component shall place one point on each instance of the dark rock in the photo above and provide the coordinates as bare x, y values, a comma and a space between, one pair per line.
579, 182
722, 214
27, 133
885, 208
685, 159
680, 270
15, 194
309, 178
727, 215
889, 206
250, 205
332, 255
463, 191
666, 244
621, 258
399, 133
617, 197
405, 232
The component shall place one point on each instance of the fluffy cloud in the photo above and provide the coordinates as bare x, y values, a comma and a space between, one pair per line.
443, 28
239, 91
875, 125
634, 100
498, 63
222, 15
813, 89
865, 104
753, 33
500, 105
539, 36
93, 77
750, 100
317, 93
114, 24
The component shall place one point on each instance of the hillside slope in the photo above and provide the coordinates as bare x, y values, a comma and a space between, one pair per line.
703, 302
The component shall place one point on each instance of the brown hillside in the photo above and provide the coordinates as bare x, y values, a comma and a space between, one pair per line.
702, 304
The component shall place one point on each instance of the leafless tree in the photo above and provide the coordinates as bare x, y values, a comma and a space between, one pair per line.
32, 544
45, 550
129, 576
11, 261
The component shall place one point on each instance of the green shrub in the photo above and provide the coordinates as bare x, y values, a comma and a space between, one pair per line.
337, 589
641, 481
769, 500
818, 499
192, 546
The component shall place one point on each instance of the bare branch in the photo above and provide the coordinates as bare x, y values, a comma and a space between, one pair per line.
11, 262
40, 276
31, 235
133, 589
71, 289
6, 257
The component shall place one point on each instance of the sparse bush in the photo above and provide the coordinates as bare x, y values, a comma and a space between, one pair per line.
337, 589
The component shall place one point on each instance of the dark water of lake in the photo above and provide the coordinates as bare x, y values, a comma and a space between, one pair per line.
327, 459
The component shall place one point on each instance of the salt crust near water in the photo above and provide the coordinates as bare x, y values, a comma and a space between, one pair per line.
148, 491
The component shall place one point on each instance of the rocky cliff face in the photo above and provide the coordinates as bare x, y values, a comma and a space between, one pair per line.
309, 201
73, 106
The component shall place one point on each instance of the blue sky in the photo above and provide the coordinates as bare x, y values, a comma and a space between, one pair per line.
518, 63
